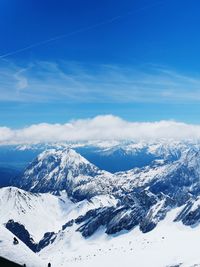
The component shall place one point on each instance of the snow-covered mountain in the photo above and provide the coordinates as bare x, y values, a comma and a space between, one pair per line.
39, 213
138, 192
68, 202
55, 170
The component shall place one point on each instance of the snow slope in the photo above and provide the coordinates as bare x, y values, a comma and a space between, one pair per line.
41, 213
169, 244
20, 253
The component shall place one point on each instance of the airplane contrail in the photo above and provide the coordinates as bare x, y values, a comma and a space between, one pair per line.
59, 37
85, 29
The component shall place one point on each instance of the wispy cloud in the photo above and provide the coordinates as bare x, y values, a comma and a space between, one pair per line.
106, 127
21, 80
72, 82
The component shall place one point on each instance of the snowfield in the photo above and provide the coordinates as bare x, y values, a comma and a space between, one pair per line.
18, 253
169, 244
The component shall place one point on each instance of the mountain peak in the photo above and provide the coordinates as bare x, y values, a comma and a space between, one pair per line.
56, 169
67, 155
12, 192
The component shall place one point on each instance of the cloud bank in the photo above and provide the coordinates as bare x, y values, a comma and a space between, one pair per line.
107, 127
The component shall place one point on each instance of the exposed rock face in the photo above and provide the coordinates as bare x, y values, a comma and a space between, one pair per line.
48, 238
20, 231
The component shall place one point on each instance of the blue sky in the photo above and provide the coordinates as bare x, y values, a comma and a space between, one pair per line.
63, 60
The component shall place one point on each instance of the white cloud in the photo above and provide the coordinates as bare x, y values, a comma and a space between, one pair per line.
106, 127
